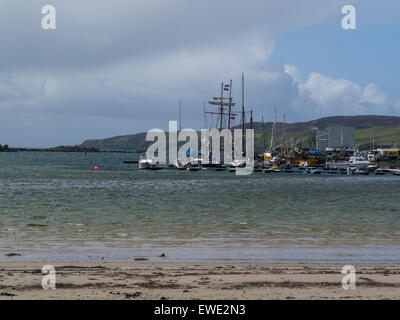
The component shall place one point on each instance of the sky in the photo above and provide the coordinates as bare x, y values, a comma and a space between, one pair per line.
120, 67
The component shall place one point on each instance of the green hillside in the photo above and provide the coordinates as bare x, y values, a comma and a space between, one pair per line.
386, 129
120, 143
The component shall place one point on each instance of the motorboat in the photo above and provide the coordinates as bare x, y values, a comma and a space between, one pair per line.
148, 164
356, 161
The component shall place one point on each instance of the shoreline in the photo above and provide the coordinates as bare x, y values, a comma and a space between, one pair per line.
200, 254
162, 260
144, 280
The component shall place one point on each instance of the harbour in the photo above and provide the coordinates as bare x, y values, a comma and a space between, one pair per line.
331, 148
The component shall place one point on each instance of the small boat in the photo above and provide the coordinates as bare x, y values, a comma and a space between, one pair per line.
362, 171
358, 162
148, 164
180, 165
303, 165
379, 172
287, 166
372, 167
275, 169
396, 172
236, 164
351, 170
195, 161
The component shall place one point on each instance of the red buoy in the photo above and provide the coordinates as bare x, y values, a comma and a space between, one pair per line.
188, 169
96, 168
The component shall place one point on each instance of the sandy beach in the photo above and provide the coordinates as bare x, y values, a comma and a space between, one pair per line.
145, 280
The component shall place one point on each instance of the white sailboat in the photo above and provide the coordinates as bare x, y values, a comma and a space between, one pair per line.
147, 164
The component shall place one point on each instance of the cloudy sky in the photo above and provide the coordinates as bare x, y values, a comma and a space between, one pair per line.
120, 67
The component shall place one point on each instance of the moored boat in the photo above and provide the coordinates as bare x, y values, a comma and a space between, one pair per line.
358, 162
148, 164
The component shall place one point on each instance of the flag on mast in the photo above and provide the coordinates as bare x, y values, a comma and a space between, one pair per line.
227, 87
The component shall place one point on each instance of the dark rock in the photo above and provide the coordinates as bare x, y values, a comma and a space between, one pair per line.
7, 294
133, 295
12, 255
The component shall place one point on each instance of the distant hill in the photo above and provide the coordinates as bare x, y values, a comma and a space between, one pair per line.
132, 142
386, 128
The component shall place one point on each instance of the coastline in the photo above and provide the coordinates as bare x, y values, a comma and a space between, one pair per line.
96, 252
144, 280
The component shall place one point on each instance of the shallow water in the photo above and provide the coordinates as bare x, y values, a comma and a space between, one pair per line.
54, 206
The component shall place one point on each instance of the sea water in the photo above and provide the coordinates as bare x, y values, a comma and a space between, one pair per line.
56, 207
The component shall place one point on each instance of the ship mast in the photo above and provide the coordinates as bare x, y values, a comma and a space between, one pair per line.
221, 107
272, 147
180, 115
283, 134
230, 105
243, 119
205, 115
263, 127
220, 102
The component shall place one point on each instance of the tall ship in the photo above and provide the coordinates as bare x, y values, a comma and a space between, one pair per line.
225, 117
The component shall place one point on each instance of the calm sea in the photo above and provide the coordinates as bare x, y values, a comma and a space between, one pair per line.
55, 207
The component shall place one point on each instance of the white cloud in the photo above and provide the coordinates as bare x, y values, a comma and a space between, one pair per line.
372, 94
293, 71
322, 95
397, 105
329, 93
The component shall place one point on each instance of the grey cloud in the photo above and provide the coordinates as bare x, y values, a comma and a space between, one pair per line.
94, 32
121, 66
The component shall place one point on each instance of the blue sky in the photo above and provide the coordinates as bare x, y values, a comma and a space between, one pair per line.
368, 54
120, 67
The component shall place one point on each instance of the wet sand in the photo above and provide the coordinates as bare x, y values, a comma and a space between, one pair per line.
145, 280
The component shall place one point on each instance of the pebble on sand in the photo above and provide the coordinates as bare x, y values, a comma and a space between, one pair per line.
12, 255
